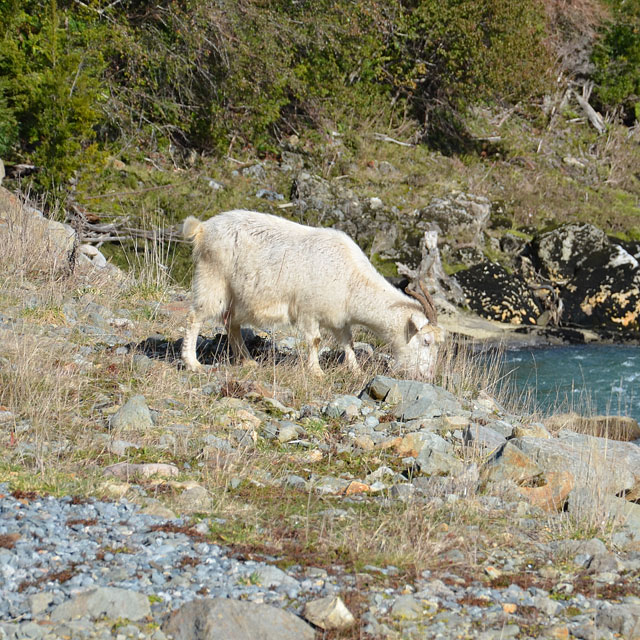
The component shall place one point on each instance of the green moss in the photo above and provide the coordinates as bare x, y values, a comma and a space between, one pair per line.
387, 267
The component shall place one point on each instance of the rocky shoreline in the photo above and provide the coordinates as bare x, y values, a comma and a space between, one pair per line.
130, 568
89, 569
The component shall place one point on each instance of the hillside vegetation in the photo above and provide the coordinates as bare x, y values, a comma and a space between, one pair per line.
82, 82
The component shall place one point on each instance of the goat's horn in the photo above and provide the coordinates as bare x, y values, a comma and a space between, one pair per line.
426, 301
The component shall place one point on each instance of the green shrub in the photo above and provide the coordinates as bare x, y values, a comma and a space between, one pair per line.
50, 67
617, 60
8, 128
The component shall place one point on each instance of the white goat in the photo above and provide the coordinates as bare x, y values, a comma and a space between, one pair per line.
260, 270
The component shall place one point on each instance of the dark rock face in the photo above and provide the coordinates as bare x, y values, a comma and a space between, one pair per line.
560, 253
605, 292
494, 293
598, 280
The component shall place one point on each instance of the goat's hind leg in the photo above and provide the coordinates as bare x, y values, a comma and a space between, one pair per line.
210, 303
237, 344
189, 357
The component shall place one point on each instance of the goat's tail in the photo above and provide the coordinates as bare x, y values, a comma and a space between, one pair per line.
191, 228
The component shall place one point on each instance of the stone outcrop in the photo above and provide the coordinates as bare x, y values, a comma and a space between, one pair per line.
494, 293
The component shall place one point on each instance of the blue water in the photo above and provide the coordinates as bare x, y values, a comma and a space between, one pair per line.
598, 379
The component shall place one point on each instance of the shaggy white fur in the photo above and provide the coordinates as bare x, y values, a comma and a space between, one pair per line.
264, 271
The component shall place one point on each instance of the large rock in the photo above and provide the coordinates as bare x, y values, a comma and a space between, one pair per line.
624, 456
51, 241
463, 219
598, 280
590, 464
329, 613
621, 428
494, 293
561, 252
109, 602
621, 619
605, 292
510, 463
414, 399
217, 618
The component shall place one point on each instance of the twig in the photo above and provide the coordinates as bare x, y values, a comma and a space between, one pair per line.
384, 138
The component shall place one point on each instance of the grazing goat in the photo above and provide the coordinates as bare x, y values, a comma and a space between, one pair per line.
261, 270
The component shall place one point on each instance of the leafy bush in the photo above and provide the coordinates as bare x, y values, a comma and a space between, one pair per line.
617, 60
50, 68
213, 74
449, 54
8, 128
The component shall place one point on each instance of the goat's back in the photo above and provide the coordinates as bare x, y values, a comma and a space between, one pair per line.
270, 263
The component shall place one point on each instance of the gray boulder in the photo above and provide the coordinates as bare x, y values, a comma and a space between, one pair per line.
109, 602
590, 466
134, 415
416, 399
217, 618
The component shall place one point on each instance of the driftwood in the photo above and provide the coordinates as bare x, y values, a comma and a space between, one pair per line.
91, 231
593, 116
430, 270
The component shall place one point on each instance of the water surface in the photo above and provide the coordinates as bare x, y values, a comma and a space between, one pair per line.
588, 379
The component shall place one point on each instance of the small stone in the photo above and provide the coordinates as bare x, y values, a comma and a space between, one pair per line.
329, 484
364, 442
287, 432
120, 447
403, 491
142, 363
343, 406
134, 415
452, 423
492, 572
129, 470
533, 429
193, 500
356, 487
39, 602
484, 437
406, 607
328, 613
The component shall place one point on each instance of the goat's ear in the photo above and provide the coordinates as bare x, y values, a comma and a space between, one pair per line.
415, 323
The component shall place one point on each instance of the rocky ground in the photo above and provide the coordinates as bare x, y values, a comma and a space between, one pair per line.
142, 501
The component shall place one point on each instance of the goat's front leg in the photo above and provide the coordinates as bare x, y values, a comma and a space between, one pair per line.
311, 332
194, 322
345, 340
314, 362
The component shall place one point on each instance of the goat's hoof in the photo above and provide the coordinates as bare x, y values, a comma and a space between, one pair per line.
194, 367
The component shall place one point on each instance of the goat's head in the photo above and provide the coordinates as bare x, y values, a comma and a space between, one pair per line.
418, 354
